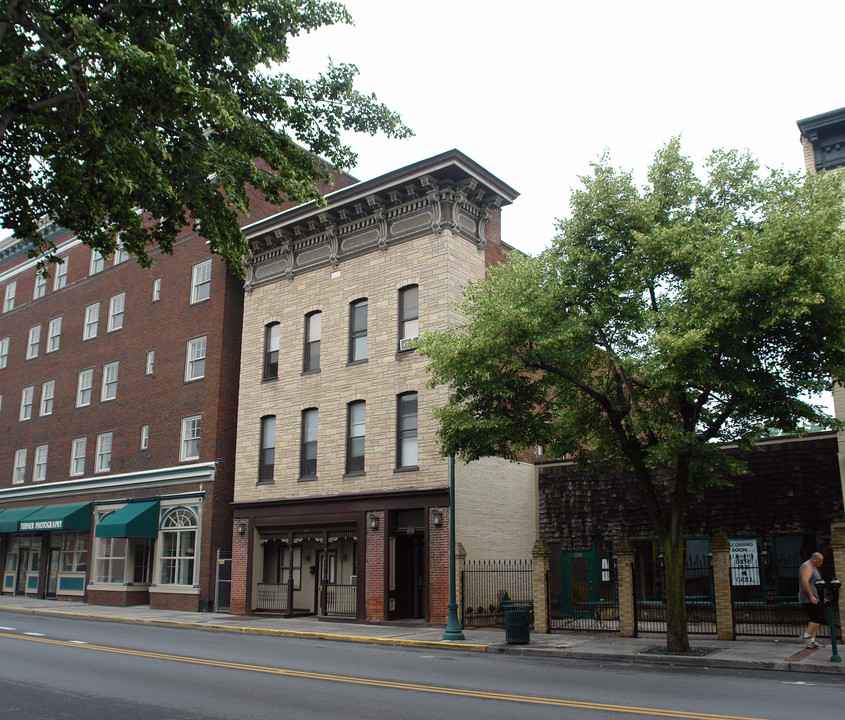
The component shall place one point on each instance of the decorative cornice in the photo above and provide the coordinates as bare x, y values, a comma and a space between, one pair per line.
826, 133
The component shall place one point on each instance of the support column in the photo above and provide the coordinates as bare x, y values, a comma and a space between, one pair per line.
720, 547
540, 579
625, 587
837, 549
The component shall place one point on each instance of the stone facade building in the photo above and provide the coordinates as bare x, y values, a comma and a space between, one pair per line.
341, 496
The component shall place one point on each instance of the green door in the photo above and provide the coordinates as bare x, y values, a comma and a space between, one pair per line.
579, 582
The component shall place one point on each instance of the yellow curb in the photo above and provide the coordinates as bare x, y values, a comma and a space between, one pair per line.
301, 634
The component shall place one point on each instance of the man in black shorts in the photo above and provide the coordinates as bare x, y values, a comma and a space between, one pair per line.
808, 573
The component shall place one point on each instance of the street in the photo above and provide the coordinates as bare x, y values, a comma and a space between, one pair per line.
68, 668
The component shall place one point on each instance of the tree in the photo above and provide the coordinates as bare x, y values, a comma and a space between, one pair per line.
661, 322
165, 105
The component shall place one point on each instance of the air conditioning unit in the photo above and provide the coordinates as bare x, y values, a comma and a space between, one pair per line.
407, 343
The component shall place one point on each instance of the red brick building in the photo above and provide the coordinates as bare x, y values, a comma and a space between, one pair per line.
118, 406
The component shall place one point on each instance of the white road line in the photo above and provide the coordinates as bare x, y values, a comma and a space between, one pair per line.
35, 634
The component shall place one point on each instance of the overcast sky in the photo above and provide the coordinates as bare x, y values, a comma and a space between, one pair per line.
535, 91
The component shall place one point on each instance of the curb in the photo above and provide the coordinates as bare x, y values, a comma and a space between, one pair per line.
273, 632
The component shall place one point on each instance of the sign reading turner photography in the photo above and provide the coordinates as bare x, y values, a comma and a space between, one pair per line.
41, 525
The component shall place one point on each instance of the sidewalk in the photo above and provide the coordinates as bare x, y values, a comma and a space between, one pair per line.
708, 652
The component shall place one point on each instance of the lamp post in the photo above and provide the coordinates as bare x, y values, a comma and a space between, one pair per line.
453, 626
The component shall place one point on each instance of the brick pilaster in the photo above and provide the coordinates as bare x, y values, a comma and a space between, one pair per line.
837, 550
720, 547
540, 578
625, 587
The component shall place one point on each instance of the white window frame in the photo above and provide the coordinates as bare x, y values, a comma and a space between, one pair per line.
60, 275
33, 342
112, 560
48, 392
39, 288
109, 385
120, 253
98, 262
84, 384
54, 335
201, 282
78, 448
27, 399
195, 354
149, 368
156, 290
191, 433
102, 460
39, 463
92, 321
9, 297
19, 468
177, 547
145, 437
4, 352
117, 305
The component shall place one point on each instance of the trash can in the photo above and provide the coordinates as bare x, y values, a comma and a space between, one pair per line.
517, 623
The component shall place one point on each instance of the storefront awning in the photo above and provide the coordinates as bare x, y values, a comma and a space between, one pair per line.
76, 516
138, 519
10, 517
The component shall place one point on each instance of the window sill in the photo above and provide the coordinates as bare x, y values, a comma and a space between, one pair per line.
357, 362
311, 372
404, 353
269, 379
266, 482
307, 478
356, 474
406, 469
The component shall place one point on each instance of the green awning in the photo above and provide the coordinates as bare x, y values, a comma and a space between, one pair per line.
10, 517
138, 519
75, 516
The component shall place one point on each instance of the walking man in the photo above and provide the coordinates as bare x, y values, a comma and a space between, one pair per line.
808, 573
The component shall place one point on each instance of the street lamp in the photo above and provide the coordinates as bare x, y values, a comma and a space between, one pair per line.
453, 626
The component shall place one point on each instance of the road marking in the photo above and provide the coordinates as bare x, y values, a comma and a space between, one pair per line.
34, 634
392, 685
78, 642
6, 628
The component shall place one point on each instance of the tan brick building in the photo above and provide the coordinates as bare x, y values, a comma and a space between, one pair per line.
341, 496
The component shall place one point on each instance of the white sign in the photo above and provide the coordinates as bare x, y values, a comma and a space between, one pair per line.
745, 567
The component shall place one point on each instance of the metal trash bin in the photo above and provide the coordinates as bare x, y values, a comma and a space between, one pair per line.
517, 623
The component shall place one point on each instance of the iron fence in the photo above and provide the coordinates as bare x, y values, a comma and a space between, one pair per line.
583, 596
765, 599
650, 596
272, 596
487, 586
341, 600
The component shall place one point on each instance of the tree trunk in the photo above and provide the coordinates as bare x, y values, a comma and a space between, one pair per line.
676, 609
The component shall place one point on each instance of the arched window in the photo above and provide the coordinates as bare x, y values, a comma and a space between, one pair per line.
178, 547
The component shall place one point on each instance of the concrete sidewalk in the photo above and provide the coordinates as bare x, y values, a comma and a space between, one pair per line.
708, 652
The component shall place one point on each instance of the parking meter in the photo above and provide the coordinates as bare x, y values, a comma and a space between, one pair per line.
821, 592
828, 597
834, 586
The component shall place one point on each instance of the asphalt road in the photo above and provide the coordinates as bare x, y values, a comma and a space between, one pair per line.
61, 669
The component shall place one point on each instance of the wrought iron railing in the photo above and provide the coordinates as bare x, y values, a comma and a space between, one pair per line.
342, 600
489, 585
272, 596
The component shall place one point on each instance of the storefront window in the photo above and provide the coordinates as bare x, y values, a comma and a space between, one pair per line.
74, 552
111, 560
178, 542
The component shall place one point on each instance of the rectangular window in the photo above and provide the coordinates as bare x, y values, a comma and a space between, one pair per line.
409, 325
60, 274
9, 298
19, 470
92, 321
33, 342
39, 467
4, 352
116, 306
191, 431
120, 253
355, 422
358, 331
54, 334
26, 402
111, 560
313, 333
74, 552
195, 359
201, 282
98, 262
145, 437
271, 351
40, 288
268, 449
109, 390
1, 402
77, 456
308, 450
48, 390
156, 289
151, 360
103, 460
83, 387
406, 436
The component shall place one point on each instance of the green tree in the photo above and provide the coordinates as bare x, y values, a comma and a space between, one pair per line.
164, 105
661, 322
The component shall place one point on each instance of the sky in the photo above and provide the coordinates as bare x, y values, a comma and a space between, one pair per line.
536, 91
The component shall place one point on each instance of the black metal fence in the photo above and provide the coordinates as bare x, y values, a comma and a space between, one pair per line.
487, 586
582, 596
765, 599
650, 596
